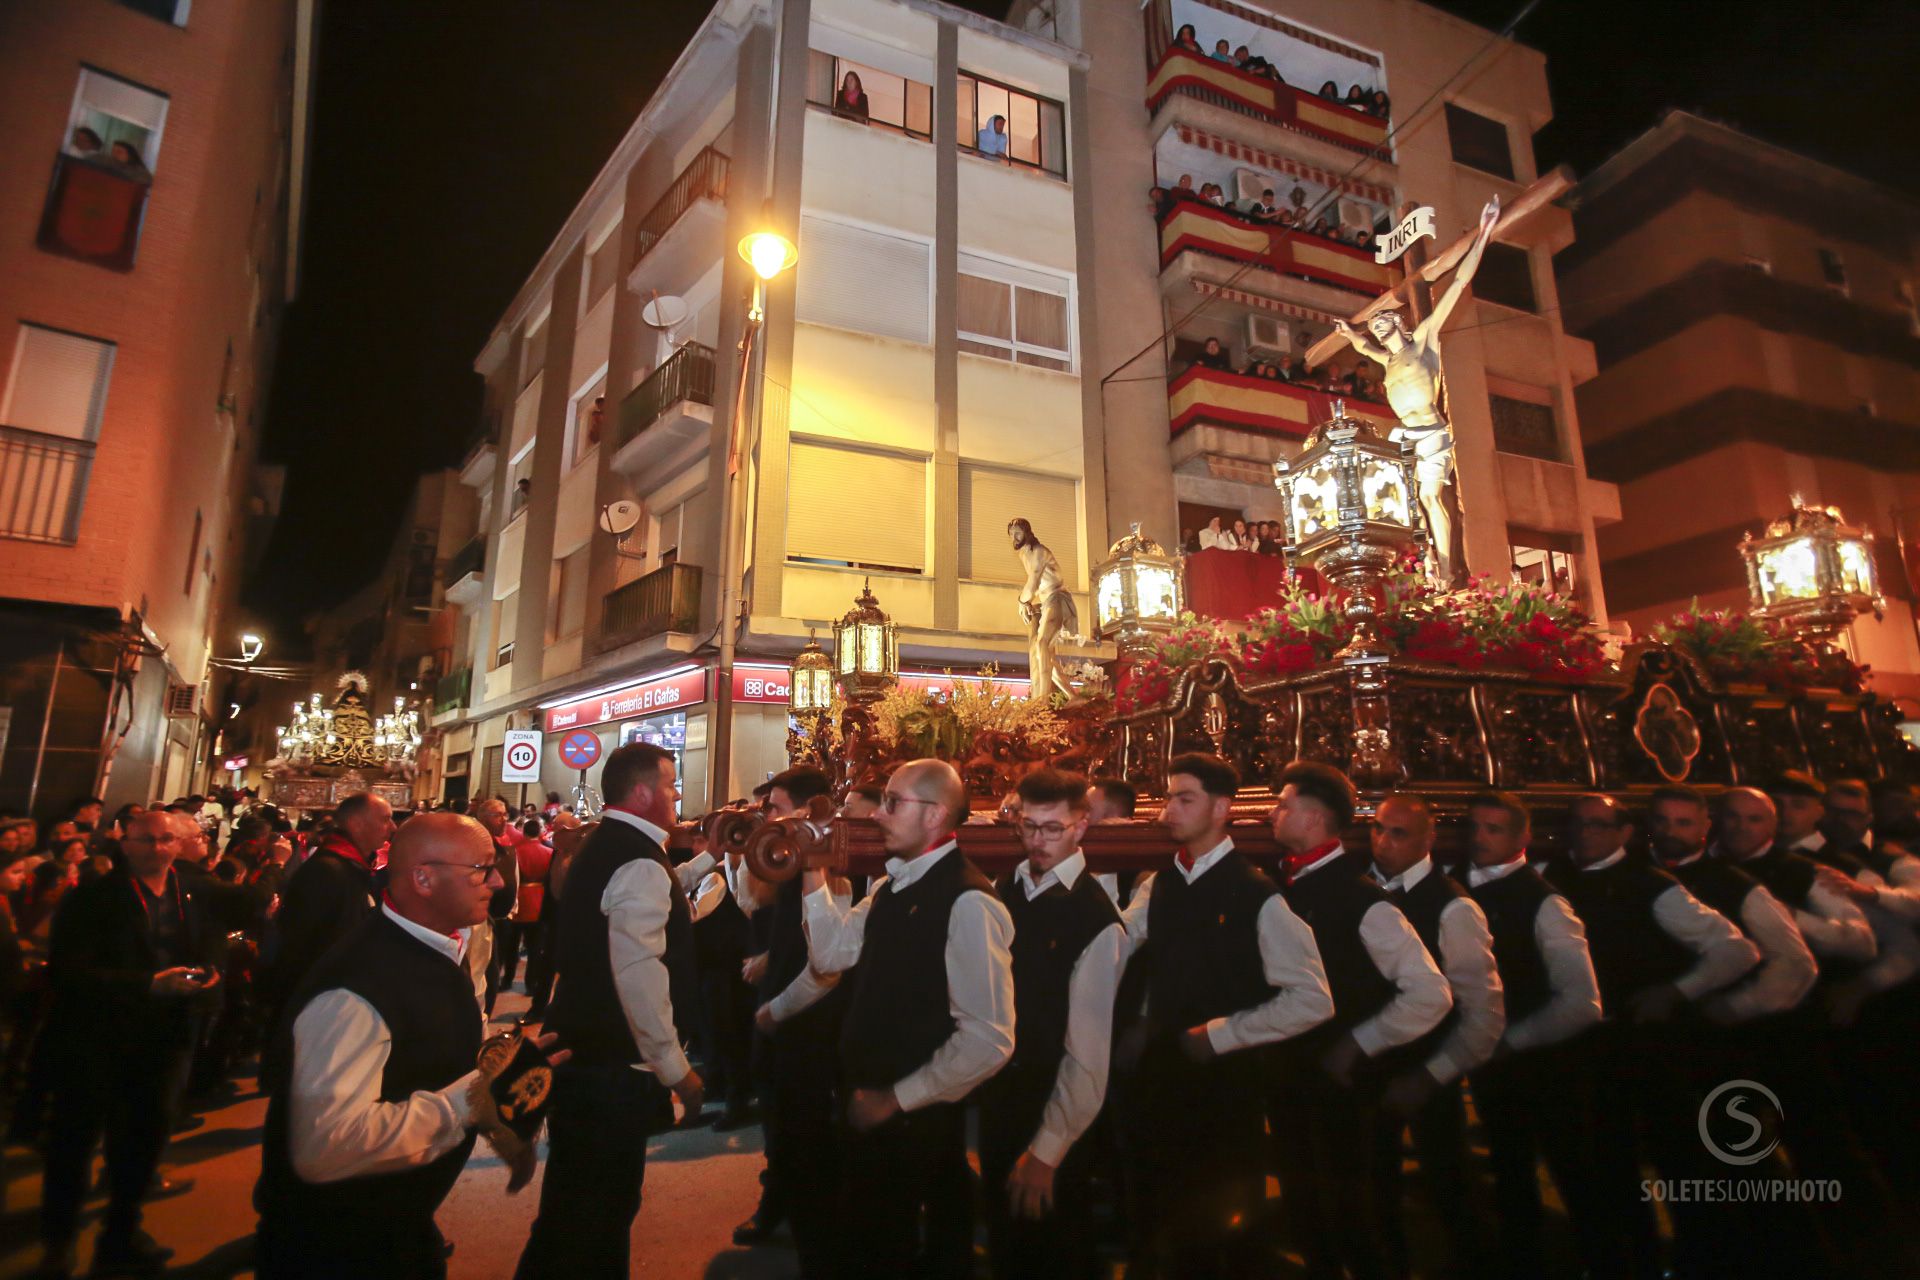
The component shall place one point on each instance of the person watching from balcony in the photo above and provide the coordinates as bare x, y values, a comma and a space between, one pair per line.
1378, 104
1163, 201
1189, 541
1211, 535
125, 159
1296, 214
84, 144
1186, 39
1330, 91
1363, 238
851, 101
1243, 536
1183, 189
1322, 228
1356, 97
1264, 209
993, 139
522, 492
1213, 356
1213, 195
1221, 53
596, 416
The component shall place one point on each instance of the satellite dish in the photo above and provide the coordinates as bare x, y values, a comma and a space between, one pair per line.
664, 311
620, 518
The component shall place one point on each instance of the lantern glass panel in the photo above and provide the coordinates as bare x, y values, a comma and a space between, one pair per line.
1384, 486
1316, 499
1856, 567
844, 646
1110, 604
1789, 571
872, 648
1154, 585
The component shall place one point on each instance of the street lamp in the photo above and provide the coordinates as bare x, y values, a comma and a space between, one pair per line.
1349, 511
866, 649
1812, 571
1136, 592
250, 647
768, 253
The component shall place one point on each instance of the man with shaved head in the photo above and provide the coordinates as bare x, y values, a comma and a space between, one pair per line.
370, 1123
329, 895
1840, 936
929, 1017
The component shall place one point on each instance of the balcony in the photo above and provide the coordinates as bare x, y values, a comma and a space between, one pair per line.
450, 695
465, 571
43, 480
666, 421
1232, 427
94, 212
668, 599
684, 233
1200, 79
476, 467
1289, 266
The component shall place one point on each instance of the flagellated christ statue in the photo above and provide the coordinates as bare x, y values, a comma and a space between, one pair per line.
1046, 606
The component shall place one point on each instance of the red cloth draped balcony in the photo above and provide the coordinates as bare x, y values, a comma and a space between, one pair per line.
93, 213
1194, 224
1233, 584
1183, 71
1233, 399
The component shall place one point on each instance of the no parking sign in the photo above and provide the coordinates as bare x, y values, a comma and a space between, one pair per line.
521, 762
579, 749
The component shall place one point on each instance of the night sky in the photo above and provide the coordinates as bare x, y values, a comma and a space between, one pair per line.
447, 153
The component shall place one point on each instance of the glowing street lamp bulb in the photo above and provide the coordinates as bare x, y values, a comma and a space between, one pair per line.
769, 253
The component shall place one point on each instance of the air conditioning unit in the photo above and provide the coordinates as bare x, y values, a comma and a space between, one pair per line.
1356, 215
1248, 184
1268, 338
183, 701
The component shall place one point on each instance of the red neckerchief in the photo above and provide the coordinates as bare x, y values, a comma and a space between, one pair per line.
1292, 864
949, 838
334, 842
1186, 860
147, 899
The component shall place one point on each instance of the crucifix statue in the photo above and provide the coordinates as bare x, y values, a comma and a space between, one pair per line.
1416, 389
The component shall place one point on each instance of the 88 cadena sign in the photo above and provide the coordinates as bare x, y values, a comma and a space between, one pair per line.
666, 693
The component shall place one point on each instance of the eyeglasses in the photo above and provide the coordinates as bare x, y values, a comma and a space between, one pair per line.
891, 801
1043, 830
476, 871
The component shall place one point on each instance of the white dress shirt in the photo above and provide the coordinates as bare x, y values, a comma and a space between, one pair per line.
1209, 539
1289, 958
979, 978
1081, 1085
1889, 915
708, 895
337, 1126
1900, 887
1831, 924
1725, 956
1466, 961
637, 901
1786, 971
1562, 939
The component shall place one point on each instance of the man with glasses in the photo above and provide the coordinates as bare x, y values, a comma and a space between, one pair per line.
374, 1118
128, 954
1068, 951
1656, 949
628, 987
929, 1018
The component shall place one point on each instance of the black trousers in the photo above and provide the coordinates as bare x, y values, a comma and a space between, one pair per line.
803, 1140
120, 1089
504, 963
539, 963
909, 1186
1438, 1132
730, 1005
597, 1135
1060, 1245
1537, 1107
1323, 1141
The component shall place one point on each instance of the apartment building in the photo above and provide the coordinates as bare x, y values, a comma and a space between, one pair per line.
1184, 441
149, 238
923, 375
1754, 314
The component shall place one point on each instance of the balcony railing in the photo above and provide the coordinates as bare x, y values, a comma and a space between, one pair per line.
704, 178
668, 599
471, 558
451, 690
687, 374
1197, 76
94, 212
43, 480
1203, 395
1190, 224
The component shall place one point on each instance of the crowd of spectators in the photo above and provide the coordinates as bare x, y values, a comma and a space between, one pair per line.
1359, 382
1373, 102
1296, 215
1260, 537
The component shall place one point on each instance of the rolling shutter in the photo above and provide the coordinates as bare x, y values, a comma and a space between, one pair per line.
863, 507
855, 278
992, 496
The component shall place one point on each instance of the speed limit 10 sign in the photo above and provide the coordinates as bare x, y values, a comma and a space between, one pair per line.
521, 760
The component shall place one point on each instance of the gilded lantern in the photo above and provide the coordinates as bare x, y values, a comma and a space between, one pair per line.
1136, 591
866, 649
811, 690
1812, 571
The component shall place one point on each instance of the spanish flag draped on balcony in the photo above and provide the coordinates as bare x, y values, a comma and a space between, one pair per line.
1201, 394
1182, 70
1203, 227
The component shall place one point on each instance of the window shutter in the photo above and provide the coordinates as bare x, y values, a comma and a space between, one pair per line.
854, 278
59, 384
991, 497
885, 528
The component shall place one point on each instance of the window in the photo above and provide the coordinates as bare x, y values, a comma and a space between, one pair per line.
103, 172
992, 496
1013, 313
1478, 142
173, 11
113, 112
1524, 427
505, 618
586, 420
857, 278
886, 529
1034, 131
872, 97
1545, 559
58, 386
1506, 277
603, 263
520, 484
1833, 269
568, 595
193, 554
526, 414
533, 356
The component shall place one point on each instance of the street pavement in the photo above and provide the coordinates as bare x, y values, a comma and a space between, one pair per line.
700, 1184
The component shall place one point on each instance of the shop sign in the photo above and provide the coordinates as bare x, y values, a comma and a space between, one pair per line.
667, 693
762, 684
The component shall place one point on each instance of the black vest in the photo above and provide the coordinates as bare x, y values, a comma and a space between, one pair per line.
1630, 950
1204, 941
781, 928
1719, 884
1787, 872
427, 1003
1512, 906
1877, 860
1423, 905
1333, 900
1049, 934
898, 1014
586, 1008
720, 940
